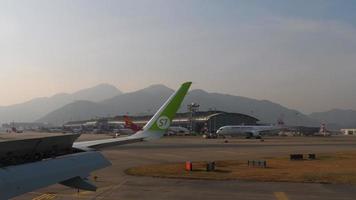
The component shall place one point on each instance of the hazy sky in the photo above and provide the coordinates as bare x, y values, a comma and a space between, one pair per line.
301, 54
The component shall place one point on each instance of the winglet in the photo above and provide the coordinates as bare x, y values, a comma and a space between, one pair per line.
162, 120
154, 129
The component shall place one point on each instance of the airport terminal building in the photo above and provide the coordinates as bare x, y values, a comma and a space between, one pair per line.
208, 121
349, 131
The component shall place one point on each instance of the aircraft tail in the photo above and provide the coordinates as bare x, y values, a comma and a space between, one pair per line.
162, 120
129, 124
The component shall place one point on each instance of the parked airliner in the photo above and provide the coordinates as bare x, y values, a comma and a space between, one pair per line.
248, 131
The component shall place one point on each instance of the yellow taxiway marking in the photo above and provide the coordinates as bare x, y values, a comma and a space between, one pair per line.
101, 193
45, 197
110, 191
280, 196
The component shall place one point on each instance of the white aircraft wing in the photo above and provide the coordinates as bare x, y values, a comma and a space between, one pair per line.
73, 168
99, 144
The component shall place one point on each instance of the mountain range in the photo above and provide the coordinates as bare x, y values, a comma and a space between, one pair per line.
336, 118
106, 100
36, 108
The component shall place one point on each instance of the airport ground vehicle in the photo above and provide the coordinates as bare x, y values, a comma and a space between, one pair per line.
177, 131
210, 135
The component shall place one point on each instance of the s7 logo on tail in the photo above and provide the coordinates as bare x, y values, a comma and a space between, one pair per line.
163, 122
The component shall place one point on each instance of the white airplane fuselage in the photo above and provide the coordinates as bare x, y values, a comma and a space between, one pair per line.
247, 131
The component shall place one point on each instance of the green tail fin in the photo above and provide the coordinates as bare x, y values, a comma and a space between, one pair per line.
162, 120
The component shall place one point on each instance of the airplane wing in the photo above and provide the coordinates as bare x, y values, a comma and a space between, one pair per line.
100, 144
154, 129
72, 169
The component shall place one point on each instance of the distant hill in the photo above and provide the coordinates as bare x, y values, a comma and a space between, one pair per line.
144, 101
76, 111
336, 118
148, 100
36, 108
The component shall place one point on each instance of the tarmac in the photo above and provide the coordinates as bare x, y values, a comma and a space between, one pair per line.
114, 184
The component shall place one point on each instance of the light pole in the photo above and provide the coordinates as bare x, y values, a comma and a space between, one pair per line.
193, 108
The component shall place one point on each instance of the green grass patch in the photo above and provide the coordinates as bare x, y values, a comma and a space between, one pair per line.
328, 168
